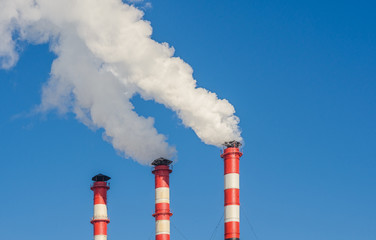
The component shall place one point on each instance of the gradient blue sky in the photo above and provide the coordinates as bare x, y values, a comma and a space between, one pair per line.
302, 78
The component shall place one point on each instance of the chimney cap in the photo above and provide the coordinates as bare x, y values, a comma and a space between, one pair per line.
100, 178
161, 161
233, 143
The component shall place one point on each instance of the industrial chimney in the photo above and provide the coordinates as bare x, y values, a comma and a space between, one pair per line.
100, 219
231, 155
162, 198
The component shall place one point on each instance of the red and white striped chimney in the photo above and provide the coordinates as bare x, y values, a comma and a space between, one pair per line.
162, 198
231, 157
100, 219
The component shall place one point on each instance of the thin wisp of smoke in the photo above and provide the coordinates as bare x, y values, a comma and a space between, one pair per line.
105, 55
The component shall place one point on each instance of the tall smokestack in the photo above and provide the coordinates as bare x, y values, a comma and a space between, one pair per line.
162, 198
100, 219
231, 157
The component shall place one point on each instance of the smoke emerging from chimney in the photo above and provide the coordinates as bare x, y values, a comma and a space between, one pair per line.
105, 55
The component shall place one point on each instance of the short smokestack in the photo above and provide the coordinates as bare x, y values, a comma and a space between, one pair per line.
231, 156
100, 218
162, 198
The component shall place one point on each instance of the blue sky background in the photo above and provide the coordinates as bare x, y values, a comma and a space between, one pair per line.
302, 78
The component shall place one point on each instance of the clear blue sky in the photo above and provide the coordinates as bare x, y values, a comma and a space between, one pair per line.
302, 77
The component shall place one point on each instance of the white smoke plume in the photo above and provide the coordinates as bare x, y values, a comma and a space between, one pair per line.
105, 55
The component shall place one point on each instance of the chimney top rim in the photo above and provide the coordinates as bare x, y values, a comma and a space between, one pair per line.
100, 178
233, 143
161, 161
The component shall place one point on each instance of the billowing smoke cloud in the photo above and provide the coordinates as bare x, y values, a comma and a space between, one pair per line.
104, 57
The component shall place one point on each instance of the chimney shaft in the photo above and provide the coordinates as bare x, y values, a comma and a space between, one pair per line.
162, 198
231, 156
100, 219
